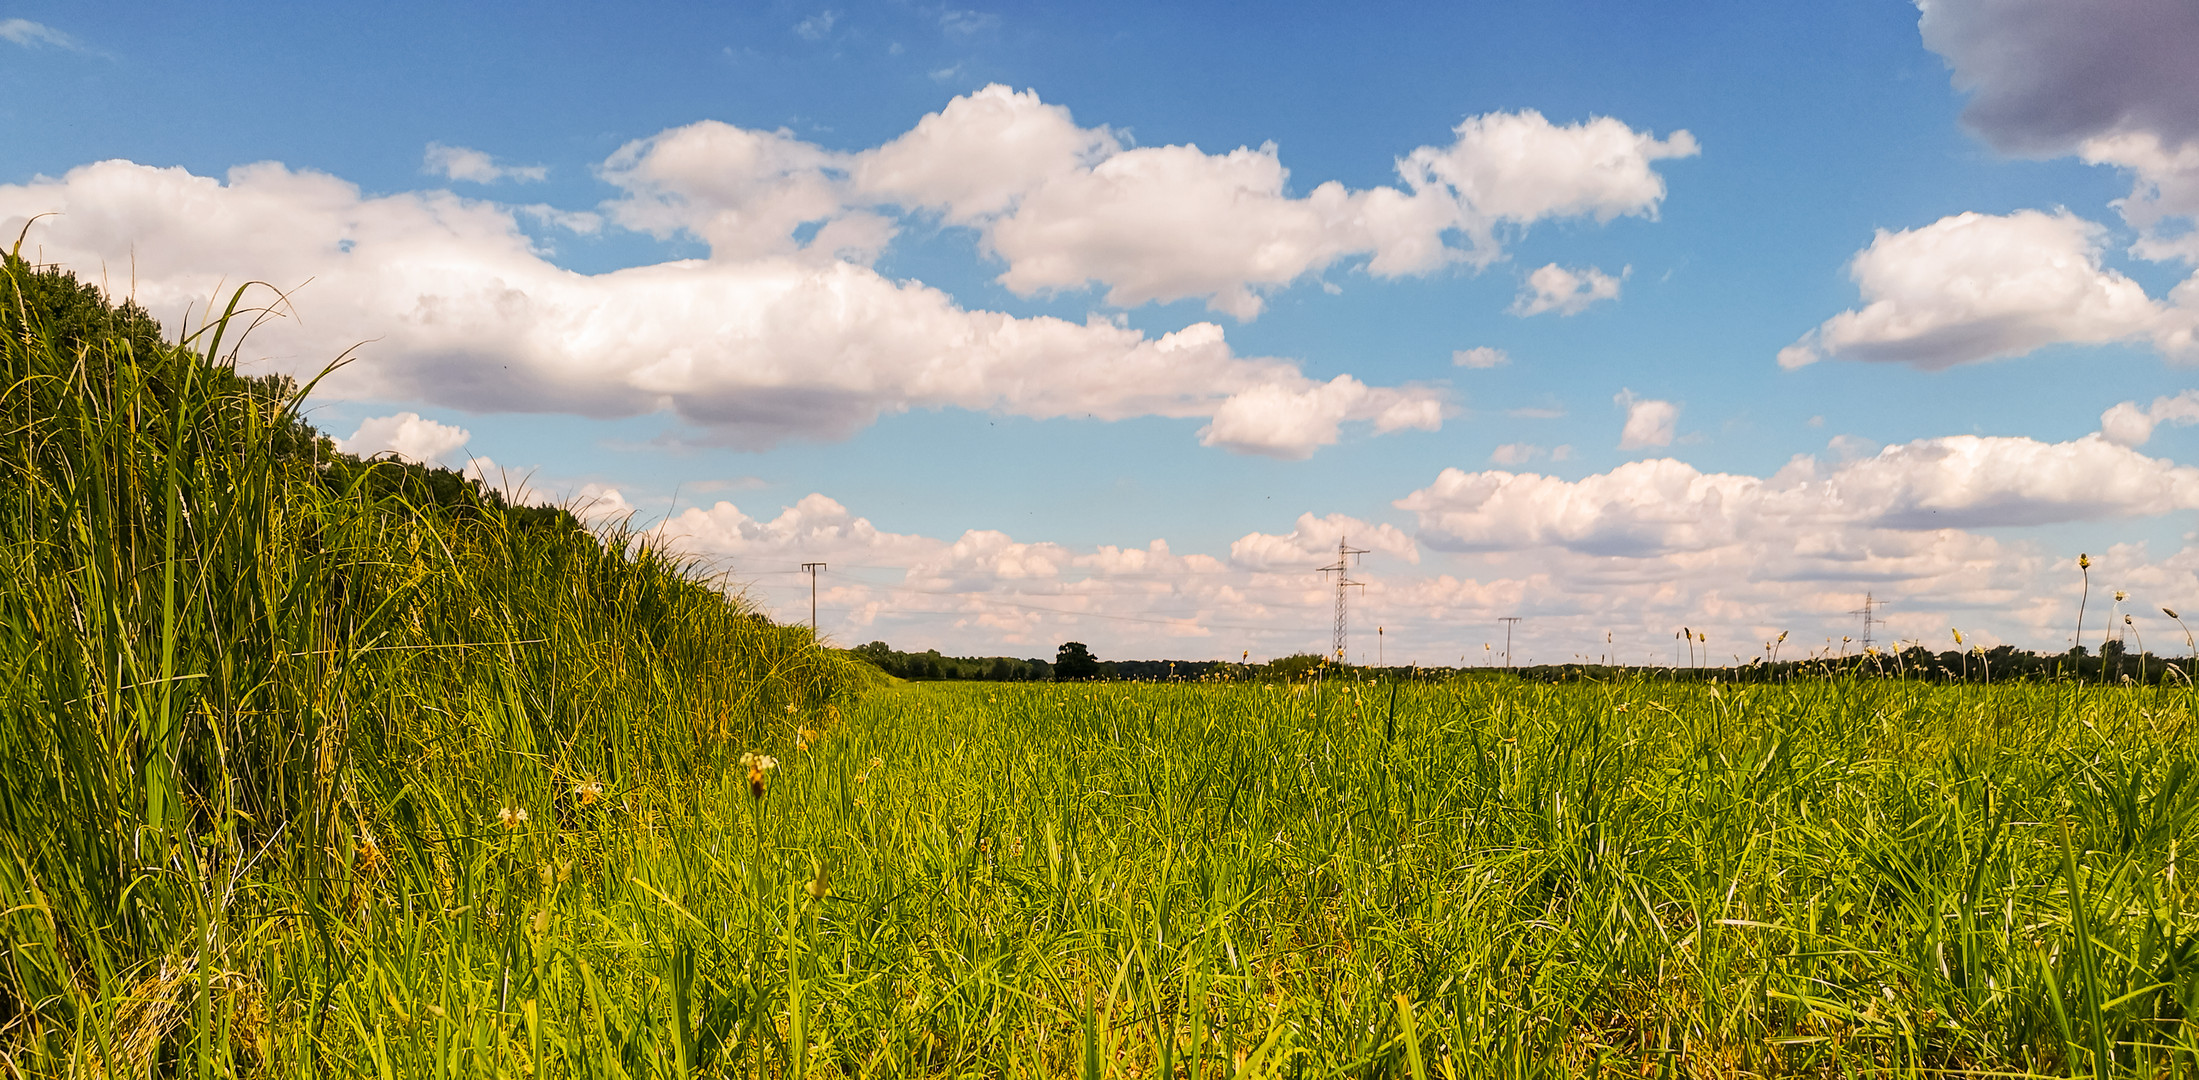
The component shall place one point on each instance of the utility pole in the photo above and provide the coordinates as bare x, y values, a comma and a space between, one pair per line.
1508, 621
813, 567
1345, 554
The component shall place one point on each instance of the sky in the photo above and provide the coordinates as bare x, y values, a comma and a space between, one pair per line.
1110, 323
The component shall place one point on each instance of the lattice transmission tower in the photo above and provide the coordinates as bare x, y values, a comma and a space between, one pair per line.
1870, 617
1345, 556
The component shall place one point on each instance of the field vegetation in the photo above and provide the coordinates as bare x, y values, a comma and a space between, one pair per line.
318, 767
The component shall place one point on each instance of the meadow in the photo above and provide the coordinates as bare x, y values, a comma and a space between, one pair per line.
318, 767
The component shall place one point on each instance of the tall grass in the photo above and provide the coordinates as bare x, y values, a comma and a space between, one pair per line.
231, 662
309, 770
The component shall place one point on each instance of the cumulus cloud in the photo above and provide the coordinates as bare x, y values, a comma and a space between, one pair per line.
1649, 422
1480, 357
406, 435
474, 166
2113, 83
1660, 507
2127, 424
1567, 292
1634, 553
1313, 542
815, 27
1292, 419
1975, 287
765, 341
1067, 207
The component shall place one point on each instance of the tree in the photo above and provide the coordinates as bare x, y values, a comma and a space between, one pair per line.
1074, 661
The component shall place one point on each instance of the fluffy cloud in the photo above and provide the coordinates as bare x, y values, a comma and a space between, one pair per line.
2113, 83
1480, 357
743, 192
1633, 553
1291, 419
1518, 168
1649, 422
1660, 507
474, 166
2127, 424
1567, 292
1313, 542
405, 435
1067, 207
1976, 287
768, 342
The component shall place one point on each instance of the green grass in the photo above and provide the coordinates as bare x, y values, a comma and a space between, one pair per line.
1136, 880
269, 720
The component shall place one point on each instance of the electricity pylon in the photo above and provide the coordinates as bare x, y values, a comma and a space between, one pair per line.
1345, 554
1870, 618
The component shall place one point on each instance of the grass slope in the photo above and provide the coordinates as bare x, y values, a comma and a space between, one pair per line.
231, 661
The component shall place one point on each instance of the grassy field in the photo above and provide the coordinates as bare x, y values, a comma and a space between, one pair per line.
1132, 880
318, 767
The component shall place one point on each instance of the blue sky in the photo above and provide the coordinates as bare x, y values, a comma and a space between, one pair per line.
583, 248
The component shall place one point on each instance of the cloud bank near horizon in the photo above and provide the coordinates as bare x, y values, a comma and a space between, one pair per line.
1632, 551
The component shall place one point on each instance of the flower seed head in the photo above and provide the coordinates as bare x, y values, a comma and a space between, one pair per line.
2084, 561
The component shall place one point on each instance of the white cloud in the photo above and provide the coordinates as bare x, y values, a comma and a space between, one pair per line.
815, 27
2126, 424
1636, 552
1291, 419
764, 341
2163, 204
1480, 357
743, 192
1567, 292
31, 35
1662, 506
474, 166
1067, 207
1977, 287
1515, 454
1518, 168
1313, 542
406, 435
1649, 422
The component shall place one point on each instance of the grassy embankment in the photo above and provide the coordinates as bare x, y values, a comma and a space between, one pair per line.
267, 729
264, 709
